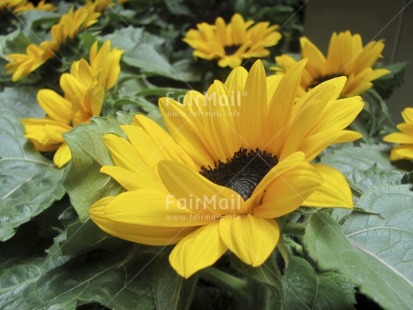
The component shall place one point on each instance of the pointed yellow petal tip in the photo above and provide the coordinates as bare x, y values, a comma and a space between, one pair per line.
302, 63
257, 65
296, 69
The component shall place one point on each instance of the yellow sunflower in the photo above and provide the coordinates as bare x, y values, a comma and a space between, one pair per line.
21, 65
41, 6
231, 162
404, 137
346, 57
233, 42
84, 92
11, 4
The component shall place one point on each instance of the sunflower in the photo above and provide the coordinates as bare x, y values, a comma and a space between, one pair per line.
346, 57
231, 162
404, 137
84, 92
41, 6
70, 24
233, 42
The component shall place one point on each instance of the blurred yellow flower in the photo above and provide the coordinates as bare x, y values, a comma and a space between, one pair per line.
346, 57
41, 6
232, 43
231, 162
84, 92
70, 24
404, 137
23, 5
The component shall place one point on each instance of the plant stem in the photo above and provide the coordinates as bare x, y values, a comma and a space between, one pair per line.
224, 280
294, 228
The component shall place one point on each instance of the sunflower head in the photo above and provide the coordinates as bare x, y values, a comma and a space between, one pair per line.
21, 65
41, 6
231, 161
232, 43
84, 92
404, 137
346, 57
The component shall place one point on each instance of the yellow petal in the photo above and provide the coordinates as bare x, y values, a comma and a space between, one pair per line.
62, 155
253, 107
122, 153
402, 152
73, 88
316, 60
407, 115
201, 195
316, 143
131, 180
333, 192
198, 250
289, 163
238, 29
163, 142
281, 106
398, 137
148, 207
186, 129
219, 122
55, 106
150, 235
338, 114
306, 117
250, 238
235, 81
287, 192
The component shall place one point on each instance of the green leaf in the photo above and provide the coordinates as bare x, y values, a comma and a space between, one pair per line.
373, 251
85, 184
170, 290
388, 83
177, 7
21, 101
79, 238
118, 280
365, 179
16, 274
349, 158
14, 42
304, 288
125, 38
29, 182
143, 50
268, 275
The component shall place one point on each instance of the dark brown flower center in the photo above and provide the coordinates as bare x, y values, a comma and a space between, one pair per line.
243, 172
322, 79
230, 50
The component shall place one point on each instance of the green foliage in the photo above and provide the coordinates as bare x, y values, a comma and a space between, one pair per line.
267, 283
307, 289
29, 182
85, 184
373, 250
97, 277
389, 82
53, 256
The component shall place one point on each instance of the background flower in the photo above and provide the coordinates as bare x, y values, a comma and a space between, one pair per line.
84, 92
404, 137
232, 43
21, 65
346, 57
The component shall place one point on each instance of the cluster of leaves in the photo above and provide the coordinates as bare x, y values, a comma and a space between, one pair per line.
52, 256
